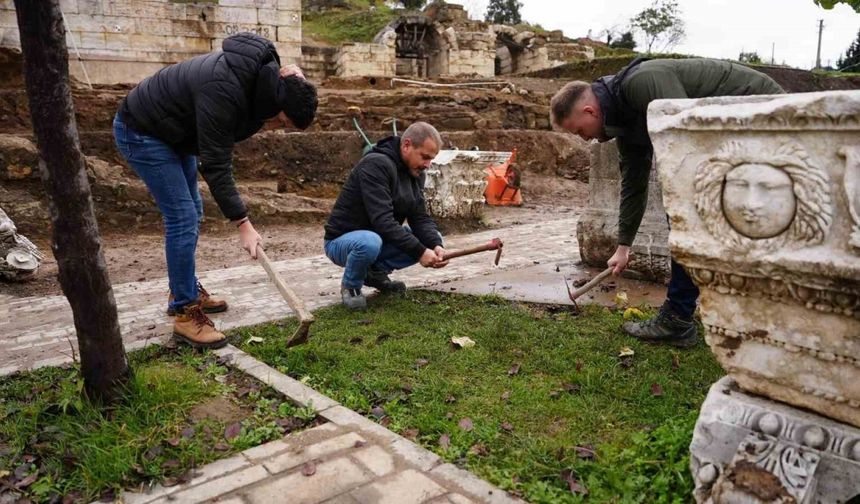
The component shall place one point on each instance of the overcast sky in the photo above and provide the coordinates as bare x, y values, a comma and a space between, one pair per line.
715, 28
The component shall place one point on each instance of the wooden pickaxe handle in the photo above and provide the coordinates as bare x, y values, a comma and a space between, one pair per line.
590, 285
290, 297
494, 244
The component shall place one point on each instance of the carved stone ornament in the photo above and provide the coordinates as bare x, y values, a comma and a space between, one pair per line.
852, 191
750, 198
749, 449
19, 258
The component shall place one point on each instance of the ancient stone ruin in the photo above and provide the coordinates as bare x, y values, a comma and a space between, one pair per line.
763, 196
597, 229
456, 182
19, 258
443, 41
127, 40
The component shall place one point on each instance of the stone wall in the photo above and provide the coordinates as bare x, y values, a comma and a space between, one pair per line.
473, 54
559, 53
597, 230
355, 60
127, 40
319, 62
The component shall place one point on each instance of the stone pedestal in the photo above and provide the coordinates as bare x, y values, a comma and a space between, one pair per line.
763, 196
455, 184
597, 230
750, 449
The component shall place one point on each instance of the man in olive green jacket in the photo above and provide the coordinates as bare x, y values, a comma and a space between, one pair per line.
615, 107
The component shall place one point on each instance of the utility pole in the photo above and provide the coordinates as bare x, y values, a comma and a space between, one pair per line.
772, 51
818, 55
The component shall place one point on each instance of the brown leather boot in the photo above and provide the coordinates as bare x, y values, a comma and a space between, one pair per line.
194, 328
210, 304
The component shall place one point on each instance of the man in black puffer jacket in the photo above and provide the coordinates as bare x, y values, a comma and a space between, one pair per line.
202, 107
365, 232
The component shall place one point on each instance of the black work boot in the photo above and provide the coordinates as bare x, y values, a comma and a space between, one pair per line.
379, 280
667, 327
353, 298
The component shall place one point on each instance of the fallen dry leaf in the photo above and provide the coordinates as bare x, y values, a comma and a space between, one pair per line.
27, 481
553, 394
466, 424
385, 422
572, 388
626, 352
507, 426
309, 469
232, 431
515, 370
254, 339
506, 395
411, 434
479, 449
449, 415
174, 441
585, 452
219, 446
445, 441
420, 363
450, 399
621, 299
377, 412
633, 314
462, 342
170, 464
187, 432
656, 389
573, 483
676, 362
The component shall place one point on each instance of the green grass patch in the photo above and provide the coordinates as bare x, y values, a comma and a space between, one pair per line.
183, 409
527, 407
360, 22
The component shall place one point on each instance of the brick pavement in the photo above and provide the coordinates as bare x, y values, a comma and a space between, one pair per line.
354, 459
38, 331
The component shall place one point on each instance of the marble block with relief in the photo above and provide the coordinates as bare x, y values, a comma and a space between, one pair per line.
748, 449
763, 195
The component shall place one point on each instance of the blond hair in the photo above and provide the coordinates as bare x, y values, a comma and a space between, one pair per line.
563, 101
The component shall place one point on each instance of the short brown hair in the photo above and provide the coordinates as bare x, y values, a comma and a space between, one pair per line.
419, 132
565, 99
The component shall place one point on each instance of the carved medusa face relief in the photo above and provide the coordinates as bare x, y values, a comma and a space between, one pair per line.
758, 200
753, 198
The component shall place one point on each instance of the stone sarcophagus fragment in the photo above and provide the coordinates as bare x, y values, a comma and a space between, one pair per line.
763, 197
455, 183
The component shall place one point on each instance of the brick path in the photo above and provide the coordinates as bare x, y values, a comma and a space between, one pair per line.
38, 331
355, 461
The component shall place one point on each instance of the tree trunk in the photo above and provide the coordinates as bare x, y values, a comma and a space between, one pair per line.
76, 244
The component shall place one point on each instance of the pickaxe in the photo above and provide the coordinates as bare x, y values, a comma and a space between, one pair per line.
578, 292
494, 244
305, 317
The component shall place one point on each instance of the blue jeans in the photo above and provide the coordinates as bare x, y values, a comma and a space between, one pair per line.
172, 181
357, 251
682, 292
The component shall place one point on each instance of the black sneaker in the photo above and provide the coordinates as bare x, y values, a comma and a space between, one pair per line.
353, 298
667, 328
379, 280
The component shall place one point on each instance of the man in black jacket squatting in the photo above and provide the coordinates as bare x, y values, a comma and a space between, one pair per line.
365, 232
